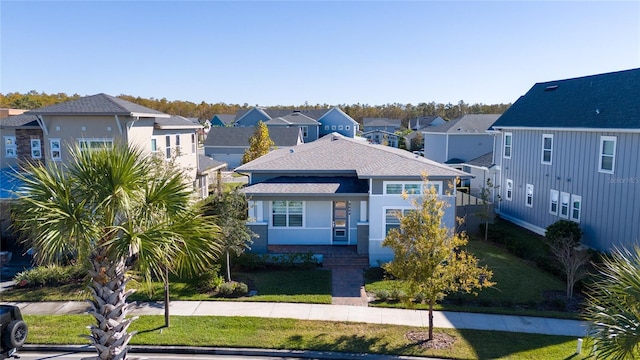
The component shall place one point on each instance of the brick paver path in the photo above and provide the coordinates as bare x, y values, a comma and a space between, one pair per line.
347, 286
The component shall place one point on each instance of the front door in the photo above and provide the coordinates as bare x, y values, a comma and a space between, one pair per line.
340, 222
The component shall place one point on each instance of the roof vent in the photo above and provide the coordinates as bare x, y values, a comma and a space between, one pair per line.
335, 138
291, 151
598, 111
551, 88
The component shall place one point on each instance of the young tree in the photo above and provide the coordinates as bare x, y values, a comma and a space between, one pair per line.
259, 143
429, 257
114, 213
613, 306
563, 238
228, 210
486, 212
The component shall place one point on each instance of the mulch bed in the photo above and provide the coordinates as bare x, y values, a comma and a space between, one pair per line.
439, 341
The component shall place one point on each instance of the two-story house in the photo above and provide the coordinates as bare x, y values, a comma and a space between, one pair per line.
570, 149
305, 120
339, 191
381, 131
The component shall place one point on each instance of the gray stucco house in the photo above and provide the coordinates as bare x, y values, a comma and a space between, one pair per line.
570, 149
338, 191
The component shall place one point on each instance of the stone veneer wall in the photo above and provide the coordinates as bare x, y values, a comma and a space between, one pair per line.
23, 143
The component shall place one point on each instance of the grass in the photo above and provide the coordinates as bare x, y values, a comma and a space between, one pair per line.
307, 335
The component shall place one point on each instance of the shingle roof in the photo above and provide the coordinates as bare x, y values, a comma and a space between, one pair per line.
19, 120
336, 153
485, 160
381, 122
466, 124
239, 136
422, 122
225, 118
100, 104
274, 113
607, 101
206, 163
309, 185
177, 121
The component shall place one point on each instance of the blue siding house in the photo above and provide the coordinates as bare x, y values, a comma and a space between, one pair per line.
570, 149
336, 120
330, 193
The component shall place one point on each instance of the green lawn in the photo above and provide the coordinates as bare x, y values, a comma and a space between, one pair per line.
307, 335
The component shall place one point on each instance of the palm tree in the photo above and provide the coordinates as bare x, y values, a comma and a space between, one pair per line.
114, 211
613, 306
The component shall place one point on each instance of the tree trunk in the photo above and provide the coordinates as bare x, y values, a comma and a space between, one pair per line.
486, 229
109, 307
228, 268
430, 320
166, 296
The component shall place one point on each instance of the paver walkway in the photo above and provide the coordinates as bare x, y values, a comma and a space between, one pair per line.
347, 287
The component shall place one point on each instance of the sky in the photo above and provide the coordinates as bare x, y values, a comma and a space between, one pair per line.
317, 52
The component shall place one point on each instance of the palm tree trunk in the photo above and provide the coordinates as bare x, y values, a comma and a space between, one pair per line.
166, 296
228, 268
109, 335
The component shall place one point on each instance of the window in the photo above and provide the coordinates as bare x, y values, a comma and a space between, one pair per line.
154, 145
346, 127
10, 149
305, 131
607, 154
508, 192
333, 127
564, 205
54, 145
507, 145
529, 202
326, 127
287, 213
167, 141
339, 127
193, 143
553, 202
392, 218
547, 148
178, 144
95, 144
411, 188
36, 151
576, 204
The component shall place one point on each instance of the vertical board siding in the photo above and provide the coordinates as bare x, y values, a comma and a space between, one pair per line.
610, 207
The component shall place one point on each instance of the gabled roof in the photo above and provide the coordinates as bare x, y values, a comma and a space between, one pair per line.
335, 153
206, 163
239, 136
604, 101
100, 104
309, 185
337, 109
19, 120
274, 113
365, 133
483, 161
177, 122
466, 124
225, 118
420, 122
381, 122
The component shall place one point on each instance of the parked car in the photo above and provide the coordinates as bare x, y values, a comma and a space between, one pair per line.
13, 331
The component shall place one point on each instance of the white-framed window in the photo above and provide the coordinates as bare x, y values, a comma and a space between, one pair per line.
339, 127
347, 127
10, 147
326, 127
55, 147
564, 205
554, 197
95, 144
547, 148
287, 213
410, 187
154, 145
507, 145
576, 207
36, 149
392, 217
305, 131
193, 143
607, 157
333, 127
167, 146
178, 148
508, 189
529, 198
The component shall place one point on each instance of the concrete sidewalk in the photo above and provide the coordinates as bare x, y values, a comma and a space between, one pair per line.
373, 315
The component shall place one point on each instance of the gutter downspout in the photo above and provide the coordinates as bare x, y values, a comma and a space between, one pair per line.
42, 124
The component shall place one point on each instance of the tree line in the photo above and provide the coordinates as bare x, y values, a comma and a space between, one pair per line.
204, 110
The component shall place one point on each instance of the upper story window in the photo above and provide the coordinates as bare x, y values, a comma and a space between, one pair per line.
287, 213
10, 148
346, 127
411, 188
178, 143
607, 158
333, 127
56, 149
339, 127
305, 131
36, 149
193, 143
547, 148
507, 145
167, 145
508, 189
95, 144
326, 127
529, 200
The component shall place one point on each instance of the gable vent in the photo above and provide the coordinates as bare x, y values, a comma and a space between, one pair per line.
551, 88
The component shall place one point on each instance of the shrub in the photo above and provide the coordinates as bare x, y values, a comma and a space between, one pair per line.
564, 229
382, 295
210, 279
51, 275
397, 295
232, 289
419, 298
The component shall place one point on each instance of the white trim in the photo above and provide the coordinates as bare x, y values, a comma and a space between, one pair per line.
504, 145
11, 146
550, 150
384, 215
536, 229
36, 148
363, 211
528, 199
565, 196
574, 199
614, 139
89, 141
58, 148
508, 192
637, 130
287, 226
42, 124
420, 184
554, 198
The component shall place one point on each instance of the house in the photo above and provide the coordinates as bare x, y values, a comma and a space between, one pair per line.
228, 144
308, 126
210, 171
569, 149
412, 140
338, 191
382, 137
96, 121
222, 120
10, 112
336, 120
459, 140
383, 124
305, 120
